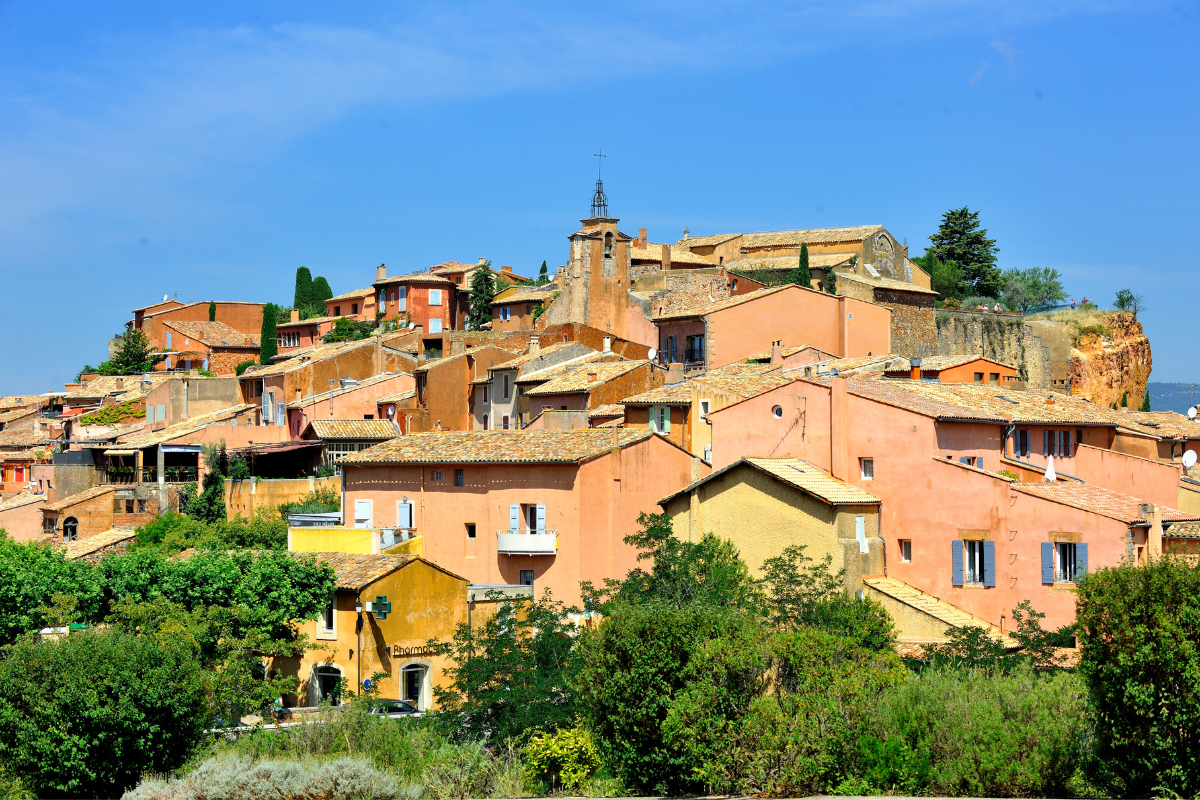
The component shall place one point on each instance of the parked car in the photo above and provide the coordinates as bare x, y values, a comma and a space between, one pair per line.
395, 709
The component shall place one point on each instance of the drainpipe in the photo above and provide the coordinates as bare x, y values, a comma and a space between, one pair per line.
883, 541
1008, 432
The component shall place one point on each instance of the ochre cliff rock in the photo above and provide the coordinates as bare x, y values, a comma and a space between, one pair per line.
1103, 367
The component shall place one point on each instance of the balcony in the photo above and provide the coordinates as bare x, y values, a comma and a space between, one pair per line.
515, 542
179, 474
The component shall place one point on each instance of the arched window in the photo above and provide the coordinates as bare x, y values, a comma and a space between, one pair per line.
485, 420
70, 529
326, 685
412, 685
608, 245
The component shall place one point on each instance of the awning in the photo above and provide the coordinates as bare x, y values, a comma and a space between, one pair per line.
181, 448
274, 447
120, 452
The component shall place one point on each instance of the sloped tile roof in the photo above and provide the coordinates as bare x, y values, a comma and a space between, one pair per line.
799, 475
22, 434
939, 363
85, 547
495, 447
75, 499
19, 455
579, 380
1105, 502
705, 309
354, 572
396, 398
137, 441
561, 368
16, 414
525, 358
353, 429
902, 394
214, 334
1159, 424
530, 296
783, 263
355, 295
300, 323
858, 362
415, 277
745, 380
792, 238
679, 255
1183, 530
675, 394
886, 283
938, 609
302, 358
607, 410
17, 400
326, 395
22, 499
116, 384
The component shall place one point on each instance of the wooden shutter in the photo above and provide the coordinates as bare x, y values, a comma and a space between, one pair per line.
404, 515
1067, 444
989, 563
541, 518
666, 412
956, 562
1081, 558
1047, 562
860, 533
362, 513
1046, 443
514, 517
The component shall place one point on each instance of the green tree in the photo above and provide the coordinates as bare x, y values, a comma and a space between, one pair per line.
1145, 406
245, 365
543, 275
320, 293
209, 504
803, 276
831, 281
1139, 631
212, 310
268, 345
479, 300
1128, 300
347, 330
1124, 399
31, 576
946, 277
87, 715
133, 358
960, 239
511, 674
304, 297
1030, 288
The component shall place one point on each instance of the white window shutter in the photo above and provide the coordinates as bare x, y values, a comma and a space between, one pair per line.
541, 518
362, 513
435, 325
514, 517
404, 515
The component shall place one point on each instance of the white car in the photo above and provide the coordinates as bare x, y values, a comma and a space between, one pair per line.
395, 709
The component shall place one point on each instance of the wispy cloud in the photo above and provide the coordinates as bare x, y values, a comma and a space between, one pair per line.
983, 66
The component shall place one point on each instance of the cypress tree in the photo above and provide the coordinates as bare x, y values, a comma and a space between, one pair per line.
268, 345
320, 293
1124, 399
803, 276
1145, 406
479, 302
212, 311
543, 275
304, 290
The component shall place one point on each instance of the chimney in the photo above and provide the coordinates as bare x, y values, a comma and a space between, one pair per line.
535, 345
592, 377
481, 261
296, 312
506, 270
777, 352
666, 257
642, 238
381, 272
674, 374
914, 369
607, 344
120, 383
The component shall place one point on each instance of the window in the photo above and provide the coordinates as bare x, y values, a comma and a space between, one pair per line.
860, 533
404, 515
971, 461
485, 422
660, 419
118, 506
168, 340
1022, 443
979, 377
705, 405
777, 412
363, 513
437, 474
504, 422
435, 325
994, 379
328, 616
70, 529
326, 684
435, 297
906, 551
354, 308
672, 353
485, 394
1056, 443
695, 349
141, 506
403, 298
470, 530
187, 363
412, 682
130, 505
382, 299
368, 416
504, 314
1063, 562
974, 563
527, 577
337, 311
506, 386
460, 477
867, 466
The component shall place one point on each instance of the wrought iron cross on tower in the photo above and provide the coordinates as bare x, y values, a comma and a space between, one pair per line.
599, 200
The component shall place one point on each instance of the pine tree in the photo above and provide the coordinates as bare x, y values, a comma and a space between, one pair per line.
268, 345
479, 302
960, 239
133, 357
1145, 406
304, 290
803, 276
212, 310
1124, 399
320, 293
543, 275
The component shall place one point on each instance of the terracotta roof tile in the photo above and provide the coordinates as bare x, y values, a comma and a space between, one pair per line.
704, 309
85, 547
799, 475
521, 360
745, 380
495, 447
415, 277
107, 385
214, 334
792, 238
380, 429
302, 322
18, 400
529, 296
579, 379
1183, 530
356, 294
783, 263
679, 255
676, 394
1159, 424
397, 398
325, 396
1105, 502
22, 434
17, 414
22, 499
935, 607
302, 358
607, 410
939, 363
137, 441
886, 283
86, 494
355, 572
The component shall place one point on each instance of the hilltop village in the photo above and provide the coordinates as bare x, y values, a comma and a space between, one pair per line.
948, 477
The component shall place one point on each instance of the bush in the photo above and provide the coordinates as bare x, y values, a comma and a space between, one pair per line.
86, 715
1139, 630
563, 760
172, 533
233, 778
963, 733
323, 499
245, 365
1093, 330
31, 575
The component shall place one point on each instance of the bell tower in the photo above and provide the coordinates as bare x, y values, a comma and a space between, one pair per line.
598, 267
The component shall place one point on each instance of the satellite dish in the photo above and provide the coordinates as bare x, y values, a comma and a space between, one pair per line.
1051, 475
1189, 459
653, 354
1192, 412
391, 410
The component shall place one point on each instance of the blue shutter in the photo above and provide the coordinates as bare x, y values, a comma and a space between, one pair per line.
989, 563
956, 562
1047, 562
1081, 558
514, 517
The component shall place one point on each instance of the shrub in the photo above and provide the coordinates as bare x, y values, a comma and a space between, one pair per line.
235, 777
323, 499
562, 760
87, 714
1139, 629
245, 365
972, 734
31, 575
115, 414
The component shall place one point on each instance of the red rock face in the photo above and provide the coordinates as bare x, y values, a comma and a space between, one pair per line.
1104, 367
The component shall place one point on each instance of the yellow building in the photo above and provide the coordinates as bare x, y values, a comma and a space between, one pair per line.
763, 505
385, 611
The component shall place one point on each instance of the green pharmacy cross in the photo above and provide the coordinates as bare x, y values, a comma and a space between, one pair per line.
381, 607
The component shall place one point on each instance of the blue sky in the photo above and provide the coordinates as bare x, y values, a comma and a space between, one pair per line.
207, 152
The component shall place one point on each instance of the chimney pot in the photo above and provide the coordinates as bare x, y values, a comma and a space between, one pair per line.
642, 238
592, 376
777, 352
914, 370
295, 315
535, 344
381, 272
666, 257
608, 344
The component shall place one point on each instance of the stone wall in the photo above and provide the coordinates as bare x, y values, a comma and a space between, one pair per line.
1003, 337
914, 332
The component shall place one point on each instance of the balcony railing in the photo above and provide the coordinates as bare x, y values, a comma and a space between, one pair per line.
121, 475
518, 542
389, 537
179, 474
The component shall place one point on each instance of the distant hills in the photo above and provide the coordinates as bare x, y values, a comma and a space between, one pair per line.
1172, 396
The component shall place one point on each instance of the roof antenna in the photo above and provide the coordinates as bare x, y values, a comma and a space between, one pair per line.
599, 199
